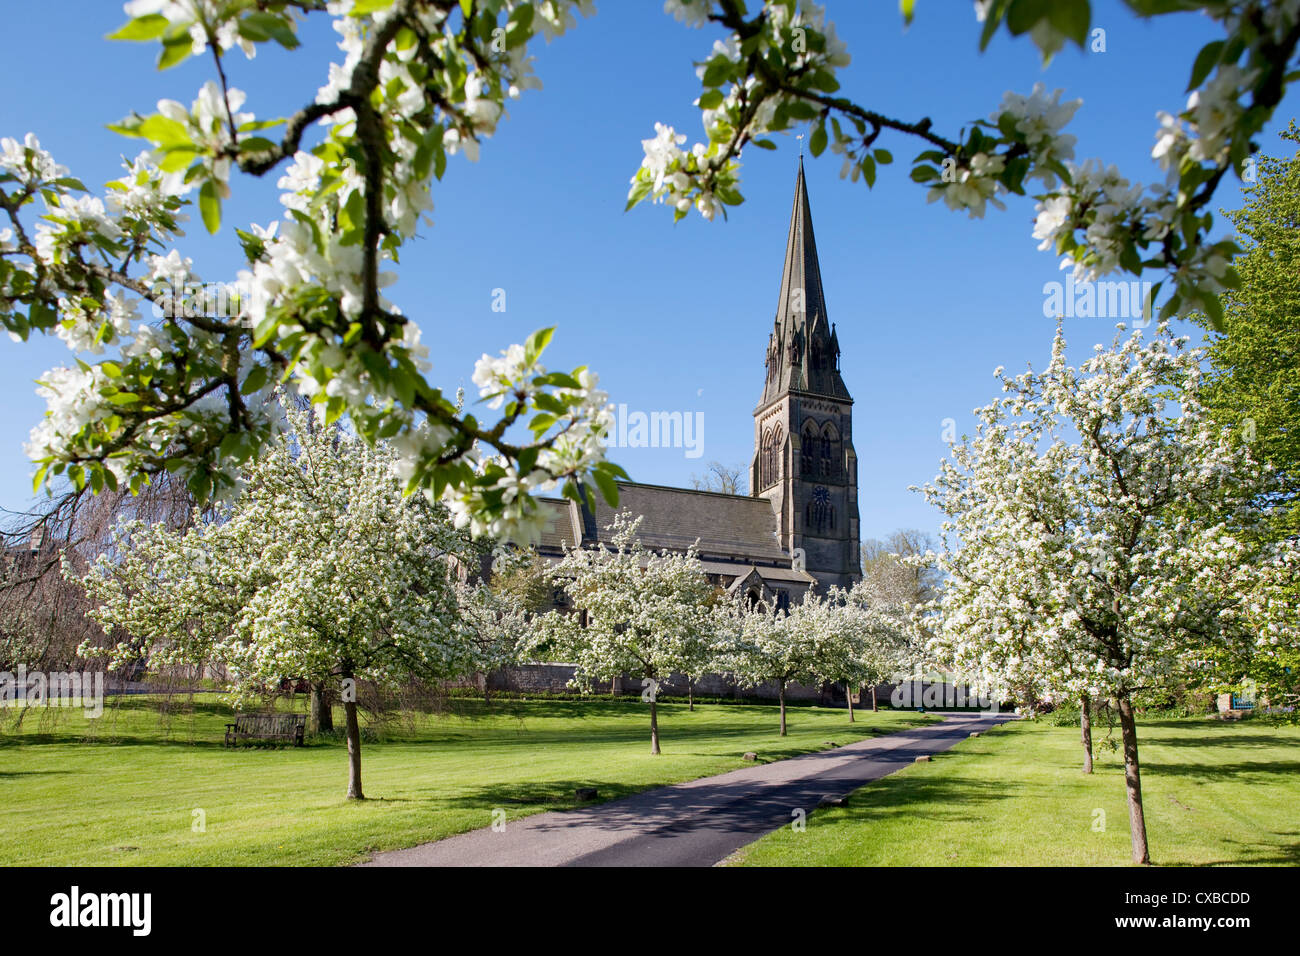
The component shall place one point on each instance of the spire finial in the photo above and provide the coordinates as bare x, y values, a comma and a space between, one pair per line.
800, 139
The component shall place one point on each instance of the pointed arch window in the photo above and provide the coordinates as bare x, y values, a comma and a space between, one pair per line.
772, 456
829, 446
808, 450
765, 459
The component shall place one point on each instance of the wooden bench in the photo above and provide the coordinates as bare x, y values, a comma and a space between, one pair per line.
267, 727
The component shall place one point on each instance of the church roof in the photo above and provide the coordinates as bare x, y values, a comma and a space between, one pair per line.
803, 350
726, 525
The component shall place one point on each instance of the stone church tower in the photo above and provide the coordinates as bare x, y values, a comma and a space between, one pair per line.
804, 462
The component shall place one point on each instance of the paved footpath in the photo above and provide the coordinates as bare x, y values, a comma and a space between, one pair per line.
698, 823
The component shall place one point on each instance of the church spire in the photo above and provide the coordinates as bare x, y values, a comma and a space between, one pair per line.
803, 352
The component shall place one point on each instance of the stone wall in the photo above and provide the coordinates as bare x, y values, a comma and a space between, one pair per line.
554, 679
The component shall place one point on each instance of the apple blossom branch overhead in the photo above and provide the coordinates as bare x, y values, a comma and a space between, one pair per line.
366, 115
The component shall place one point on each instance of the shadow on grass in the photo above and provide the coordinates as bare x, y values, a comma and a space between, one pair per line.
130, 740
29, 773
1220, 770
1235, 741
1262, 854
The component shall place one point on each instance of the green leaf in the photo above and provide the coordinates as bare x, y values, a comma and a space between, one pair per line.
1073, 18
1205, 62
175, 50
520, 27
232, 445
991, 21
711, 100
270, 26
255, 381
1024, 15
571, 491
164, 131
549, 403
1149, 300
729, 196
177, 159
148, 27
210, 206
558, 380
439, 160
608, 489
253, 125
869, 171
200, 485
717, 72
1130, 260
1170, 307
638, 192
817, 142
825, 81
537, 343
256, 144
1214, 309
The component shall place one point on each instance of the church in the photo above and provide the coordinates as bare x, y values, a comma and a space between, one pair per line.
798, 527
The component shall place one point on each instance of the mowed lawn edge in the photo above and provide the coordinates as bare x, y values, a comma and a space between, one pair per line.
1215, 793
132, 789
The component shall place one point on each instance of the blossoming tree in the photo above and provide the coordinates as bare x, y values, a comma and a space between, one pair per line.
841, 636
763, 644
1099, 528
422, 79
637, 613
891, 644
496, 618
322, 568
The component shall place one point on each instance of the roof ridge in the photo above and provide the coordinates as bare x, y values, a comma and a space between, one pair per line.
693, 491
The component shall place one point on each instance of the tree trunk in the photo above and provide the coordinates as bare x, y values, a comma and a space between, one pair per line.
690, 696
487, 693
654, 727
875, 707
1085, 725
320, 719
848, 695
1133, 782
354, 751
781, 694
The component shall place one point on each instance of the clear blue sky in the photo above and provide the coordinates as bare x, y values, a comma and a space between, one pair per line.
673, 317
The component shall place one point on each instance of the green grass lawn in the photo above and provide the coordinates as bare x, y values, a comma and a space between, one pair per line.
1214, 793
122, 789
